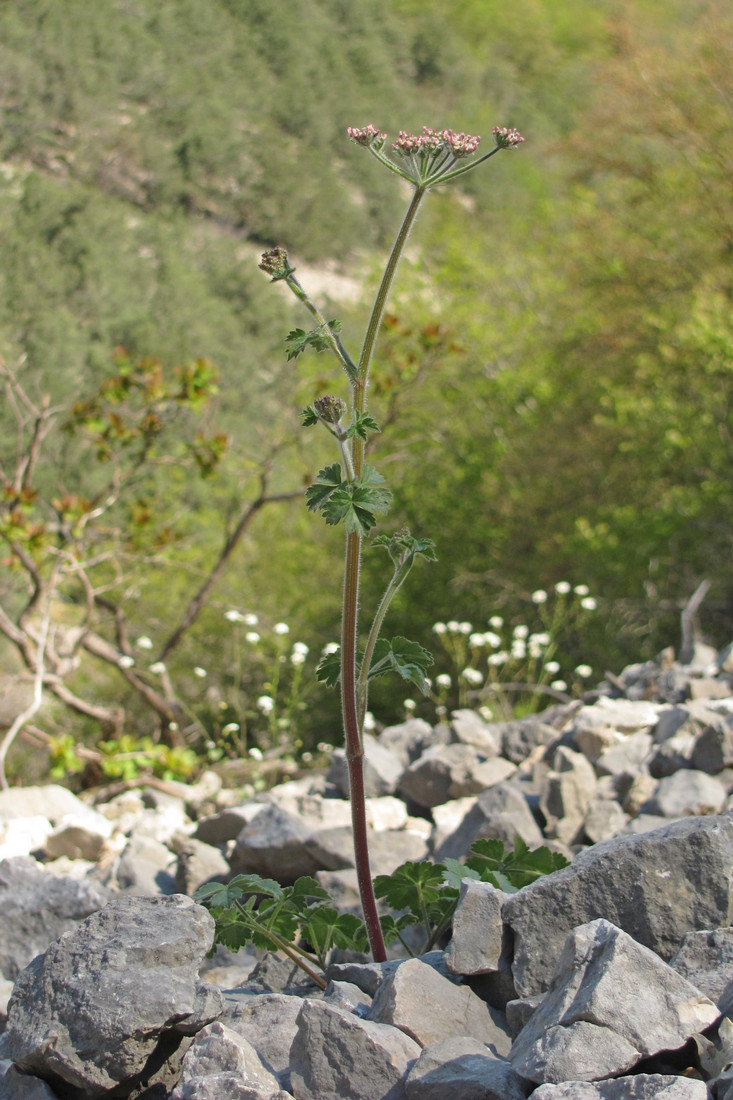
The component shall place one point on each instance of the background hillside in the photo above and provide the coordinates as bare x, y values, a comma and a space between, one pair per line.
555, 381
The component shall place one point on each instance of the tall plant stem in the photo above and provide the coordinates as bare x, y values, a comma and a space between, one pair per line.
352, 712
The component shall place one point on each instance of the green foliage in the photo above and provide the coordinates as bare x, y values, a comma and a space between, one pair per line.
354, 503
408, 659
298, 340
302, 920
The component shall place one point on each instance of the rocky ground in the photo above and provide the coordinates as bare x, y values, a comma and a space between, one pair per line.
611, 979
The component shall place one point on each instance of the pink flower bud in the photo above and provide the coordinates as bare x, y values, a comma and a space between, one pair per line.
506, 137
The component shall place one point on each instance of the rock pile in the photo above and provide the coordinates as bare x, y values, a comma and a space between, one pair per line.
611, 979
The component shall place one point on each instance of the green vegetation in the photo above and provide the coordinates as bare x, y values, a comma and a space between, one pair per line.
302, 921
573, 329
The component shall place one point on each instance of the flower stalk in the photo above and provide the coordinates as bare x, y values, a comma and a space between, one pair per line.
351, 491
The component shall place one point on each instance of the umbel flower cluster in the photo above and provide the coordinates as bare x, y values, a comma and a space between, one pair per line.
432, 156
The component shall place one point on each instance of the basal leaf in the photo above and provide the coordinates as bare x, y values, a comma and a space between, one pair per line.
412, 886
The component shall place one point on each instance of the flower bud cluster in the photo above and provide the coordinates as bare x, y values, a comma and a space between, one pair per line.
330, 408
436, 141
367, 135
275, 262
506, 136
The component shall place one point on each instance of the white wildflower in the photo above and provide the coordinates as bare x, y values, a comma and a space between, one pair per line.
496, 659
439, 628
200, 672
465, 628
453, 627
519, 649
581, 590
559, 685
250, 620
588, 603
158, 668
252, 637
552, 667
144, 642
233, 616
562, 588
409, 705
297, 658
443, 680
255, 753
492, 639
486, 713
472, 676
125, 662
476, 641
230, 727
541, 638
496, 622
521, 631
281, 628
539, 596
369, 722
265, 703
584, 671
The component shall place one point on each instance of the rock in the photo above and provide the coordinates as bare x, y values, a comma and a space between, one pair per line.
626, 755
269, 1023
479, 941
37, 907
408, 740
687, 793
461, 1068
610, 1003
468, 728
20, 836
349, 997
428, 1007
198, 863
221, 1063
332, 849
520, 737
657, 887
382, 768
336, 1055
706, 960
603, 820
645, 1086
15, 1085
501, 812
146, 866
80, 835
566, 794
445, 772
114, 995
273, 845
52, 802
713, 749
226, 825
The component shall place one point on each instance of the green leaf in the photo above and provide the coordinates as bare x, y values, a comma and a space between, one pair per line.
408, 659
455, 872
392, 927
328, 670
298, 339
361, 425
413, 886
326, 482
296, 342
402, 547
510, 870
308, 417
354, 506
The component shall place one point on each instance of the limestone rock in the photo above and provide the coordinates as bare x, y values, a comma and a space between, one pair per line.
644, 1086
687, 793
146, 866
106, 999
37, 907
336, 1055
445, 772
221, 1063
462, 1068
706, 960
657, 887
269, 1023
610, 1003
468, 728
382, 768
428, 1007
479, 941
501, 812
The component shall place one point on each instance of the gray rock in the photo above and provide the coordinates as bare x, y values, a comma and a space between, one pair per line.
706, 960
110, 996
198, 863
644, 1086
520, 737
626, 755
657, 887
687, 793
462, 1068
479, 940
222, 1063
146, 866
501, 812
408, 740
566, 793
445, 772
268, 1022
37, 908
603, 820
671, 755
50, 801
332, 849
336, 1055
273, 845
348, 996
382, 769
520, 1011
428, 1007
611, 1002
225, 825
713, 749
15, 1085
468, 728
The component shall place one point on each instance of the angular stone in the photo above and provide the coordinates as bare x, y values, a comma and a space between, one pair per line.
468, 728
146, 866
20, 836
428, 1007
462, 1068
610, 1003
408, 740
37, 907
520, 737
51, 801
657, 887
349, 997
566, 794
706, 960
479, 939
627, 755
273, 845
15, 1085
382, 769
226, 825
198, 863
445, 772
107, 999
336, 1055
713, 749
268, 1022
603, 820
332, 849
643, 1086
687, 793
501, 812
221, 1063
